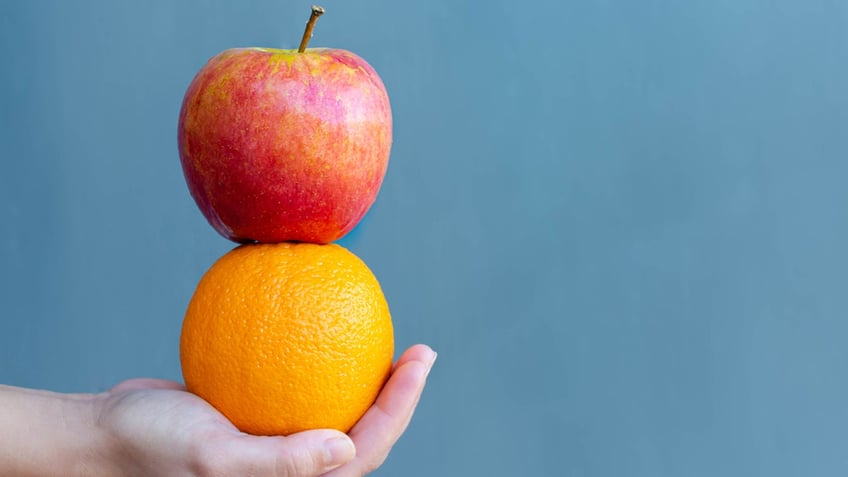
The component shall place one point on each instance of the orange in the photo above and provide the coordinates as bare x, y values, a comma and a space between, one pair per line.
286, 337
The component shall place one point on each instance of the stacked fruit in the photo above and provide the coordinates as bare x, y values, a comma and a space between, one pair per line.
284, 152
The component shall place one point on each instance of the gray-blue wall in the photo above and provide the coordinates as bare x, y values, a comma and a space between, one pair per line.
622, 224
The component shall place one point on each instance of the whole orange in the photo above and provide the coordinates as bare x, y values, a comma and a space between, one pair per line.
286, 337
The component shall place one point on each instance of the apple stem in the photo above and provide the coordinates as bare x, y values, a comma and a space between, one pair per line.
307, 35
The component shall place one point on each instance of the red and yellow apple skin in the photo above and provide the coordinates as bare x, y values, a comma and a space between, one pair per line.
278, 145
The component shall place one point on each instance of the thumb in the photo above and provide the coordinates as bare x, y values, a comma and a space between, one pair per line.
307, 453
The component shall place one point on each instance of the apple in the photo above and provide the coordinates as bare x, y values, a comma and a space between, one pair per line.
285, 145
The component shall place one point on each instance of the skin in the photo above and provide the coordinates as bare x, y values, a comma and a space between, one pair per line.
145, 427
278, 145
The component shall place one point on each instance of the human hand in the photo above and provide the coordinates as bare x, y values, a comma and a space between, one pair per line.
157, 428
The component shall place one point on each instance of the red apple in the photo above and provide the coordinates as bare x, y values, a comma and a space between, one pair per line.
285, 145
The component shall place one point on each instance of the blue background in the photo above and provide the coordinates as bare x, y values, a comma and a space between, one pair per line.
621, 224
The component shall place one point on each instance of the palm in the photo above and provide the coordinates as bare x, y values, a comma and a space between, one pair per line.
163, 406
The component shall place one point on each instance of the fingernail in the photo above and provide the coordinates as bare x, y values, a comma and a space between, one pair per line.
339, 450
432, 361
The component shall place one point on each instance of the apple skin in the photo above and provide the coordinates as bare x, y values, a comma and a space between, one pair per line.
278, 145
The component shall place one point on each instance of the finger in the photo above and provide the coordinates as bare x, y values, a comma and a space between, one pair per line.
383, 424
391, 400
308, 453
147, 383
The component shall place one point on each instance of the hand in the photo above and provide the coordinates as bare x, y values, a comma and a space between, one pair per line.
157, 428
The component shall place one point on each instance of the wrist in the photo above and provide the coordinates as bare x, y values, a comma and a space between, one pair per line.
46, 434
